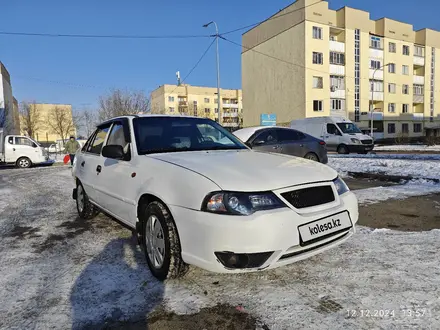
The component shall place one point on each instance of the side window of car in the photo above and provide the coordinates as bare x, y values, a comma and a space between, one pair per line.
331, 129
89, 140
285, 135
11, 140
95, 146
268, 137
23, 141
117, 137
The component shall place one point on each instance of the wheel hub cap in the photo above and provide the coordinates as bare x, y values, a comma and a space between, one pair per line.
155, 241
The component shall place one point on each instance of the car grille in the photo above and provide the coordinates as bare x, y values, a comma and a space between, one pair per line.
367, 141
309, 197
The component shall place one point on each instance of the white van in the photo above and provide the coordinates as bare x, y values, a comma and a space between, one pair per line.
21, 151
338, 133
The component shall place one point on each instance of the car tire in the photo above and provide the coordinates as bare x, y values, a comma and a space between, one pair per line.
160, 240
86, 210
343, 149
312, 156
23, 162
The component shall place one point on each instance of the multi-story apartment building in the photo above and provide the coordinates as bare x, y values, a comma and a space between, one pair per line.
308, 60
8, 111
198, 101
50, 122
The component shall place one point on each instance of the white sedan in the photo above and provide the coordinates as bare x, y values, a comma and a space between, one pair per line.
195, 194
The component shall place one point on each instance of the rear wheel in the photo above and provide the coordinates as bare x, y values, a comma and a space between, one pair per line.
24, 162
312, 156
343, 149
86, 210
161, 242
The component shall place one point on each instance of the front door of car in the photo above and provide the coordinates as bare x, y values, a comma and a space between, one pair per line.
89, 164
266, 141
117, 194
24, 147
290, 142
332, 137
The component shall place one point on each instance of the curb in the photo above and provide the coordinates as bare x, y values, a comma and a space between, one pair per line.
388, 178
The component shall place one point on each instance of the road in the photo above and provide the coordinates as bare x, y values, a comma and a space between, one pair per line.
57, 271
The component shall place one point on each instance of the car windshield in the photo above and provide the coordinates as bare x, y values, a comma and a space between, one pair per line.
349, 128
177, 134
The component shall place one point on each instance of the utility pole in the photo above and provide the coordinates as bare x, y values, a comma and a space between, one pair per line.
218, 69
372, 97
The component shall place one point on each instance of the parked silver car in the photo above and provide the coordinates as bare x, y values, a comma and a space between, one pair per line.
284, 141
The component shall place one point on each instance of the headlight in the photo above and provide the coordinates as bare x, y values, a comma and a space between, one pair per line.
341, 187
356, 141
240, 203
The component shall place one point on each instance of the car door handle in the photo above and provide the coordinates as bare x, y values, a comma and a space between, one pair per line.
13, 149
98, 168
82, 163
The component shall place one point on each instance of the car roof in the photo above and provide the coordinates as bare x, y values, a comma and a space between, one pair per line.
147, 115
245, 133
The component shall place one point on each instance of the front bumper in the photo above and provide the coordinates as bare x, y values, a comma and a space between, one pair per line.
360, 147
202, 235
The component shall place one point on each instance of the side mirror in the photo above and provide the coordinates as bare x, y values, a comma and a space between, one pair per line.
113, 151
34, 145
258, 142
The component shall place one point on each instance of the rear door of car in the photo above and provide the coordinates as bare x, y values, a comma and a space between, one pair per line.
90, 162
292, 142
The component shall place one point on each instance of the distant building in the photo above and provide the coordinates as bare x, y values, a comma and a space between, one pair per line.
198, 101
49, 125
7, 121
308, 60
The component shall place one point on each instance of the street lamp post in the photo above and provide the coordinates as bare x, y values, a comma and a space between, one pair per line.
218, 69
372, 97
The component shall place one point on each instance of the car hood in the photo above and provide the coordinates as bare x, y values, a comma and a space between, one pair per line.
247, 170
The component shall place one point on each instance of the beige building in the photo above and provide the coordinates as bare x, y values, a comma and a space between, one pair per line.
308, 60
50, 122
198, 101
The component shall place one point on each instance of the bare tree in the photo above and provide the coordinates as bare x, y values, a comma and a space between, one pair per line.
31, 118
89, 119
120, 103
60, 121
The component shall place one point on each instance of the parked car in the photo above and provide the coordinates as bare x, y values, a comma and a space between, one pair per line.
340, 134
284, 141
218, 206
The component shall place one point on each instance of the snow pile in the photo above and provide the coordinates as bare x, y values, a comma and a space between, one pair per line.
409, 147
417, 169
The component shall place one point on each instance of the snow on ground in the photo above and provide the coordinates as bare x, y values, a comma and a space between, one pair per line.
408, 147
417, 169
420, 157
60, 272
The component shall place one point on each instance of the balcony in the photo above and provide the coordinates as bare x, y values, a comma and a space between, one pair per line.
419, 61
183, 103
336, 46
230, 105
337, 94
419, 80
376, 53
418, 98
418, 116
230, 124
377, 115
230, 114
337, 69
376, 96
378, 75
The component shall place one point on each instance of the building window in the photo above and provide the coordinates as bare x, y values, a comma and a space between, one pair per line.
216, 110
418, 51
317, 82
405, 70
337, 82
170, 98
392, 88
337, 104
375, 42
357, 74
337, 58
418, 90
392, 68
405, 50
207, 110
375, 64
317, 58
405, 128
405, 108
392, 107
317, 32
206, 100
317, 105
405, 89
171, 109
417, 128
391, 128
376, 86
432, 88
392, 48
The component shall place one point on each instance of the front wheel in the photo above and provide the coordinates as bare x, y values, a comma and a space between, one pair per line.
161, 242
86, 210
24, 162
343, 149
